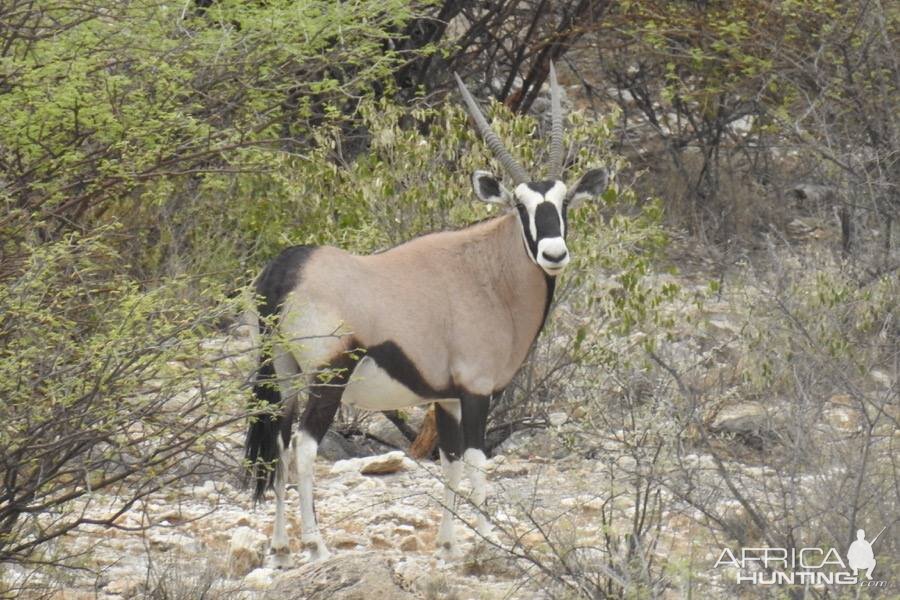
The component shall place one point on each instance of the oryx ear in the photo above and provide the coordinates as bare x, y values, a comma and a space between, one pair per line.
489, 189
591, 185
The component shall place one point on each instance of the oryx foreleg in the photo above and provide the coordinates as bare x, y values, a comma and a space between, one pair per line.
447, 419
474, 411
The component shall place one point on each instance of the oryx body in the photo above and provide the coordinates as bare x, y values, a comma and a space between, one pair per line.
447, 318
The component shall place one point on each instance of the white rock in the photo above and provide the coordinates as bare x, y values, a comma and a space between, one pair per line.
166, 541
558, 418
882, 378
503, 517
382, 464
259, 579
204, 491
508, 469
350, 465
626, 463
745, 417
390, 462
595, 504
123, 587
370, 484
410, 543
245, 550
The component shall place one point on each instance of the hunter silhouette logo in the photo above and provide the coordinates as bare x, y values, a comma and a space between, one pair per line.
860, 556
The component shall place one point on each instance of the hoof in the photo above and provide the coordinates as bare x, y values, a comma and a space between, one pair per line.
279, 558
316, 547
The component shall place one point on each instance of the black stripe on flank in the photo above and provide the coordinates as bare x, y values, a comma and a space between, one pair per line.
390, 357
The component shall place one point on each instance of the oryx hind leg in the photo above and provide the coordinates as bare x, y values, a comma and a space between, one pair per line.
288, 381
279, 546
321, 407
447, 418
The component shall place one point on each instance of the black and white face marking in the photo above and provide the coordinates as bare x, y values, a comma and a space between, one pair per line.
542, 215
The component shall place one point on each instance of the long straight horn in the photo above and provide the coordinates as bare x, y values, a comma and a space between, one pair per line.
557, 149
511, 165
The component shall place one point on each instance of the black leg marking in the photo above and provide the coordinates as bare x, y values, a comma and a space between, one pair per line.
449, 433
325, 399
325, 396
320, 410
474, 420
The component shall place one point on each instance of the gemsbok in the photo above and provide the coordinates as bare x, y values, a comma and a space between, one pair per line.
447, 318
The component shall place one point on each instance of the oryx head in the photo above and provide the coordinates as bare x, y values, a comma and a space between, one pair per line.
541, 205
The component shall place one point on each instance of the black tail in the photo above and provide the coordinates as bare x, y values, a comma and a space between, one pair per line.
261, 447
272, 418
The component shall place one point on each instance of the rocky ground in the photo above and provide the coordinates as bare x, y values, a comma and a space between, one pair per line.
379, 516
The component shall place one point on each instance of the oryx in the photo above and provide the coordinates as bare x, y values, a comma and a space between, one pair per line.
446, 318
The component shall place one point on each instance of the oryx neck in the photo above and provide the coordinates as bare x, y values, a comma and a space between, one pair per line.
523, 286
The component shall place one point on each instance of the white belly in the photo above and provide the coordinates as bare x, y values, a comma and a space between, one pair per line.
371, 388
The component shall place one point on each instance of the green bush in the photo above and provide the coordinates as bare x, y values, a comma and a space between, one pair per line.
127, 111
95, 390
